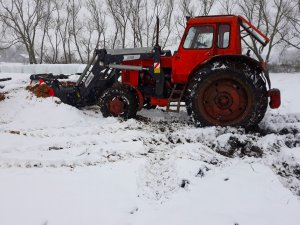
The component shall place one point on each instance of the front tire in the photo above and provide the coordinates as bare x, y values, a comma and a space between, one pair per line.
226, 97
118, 102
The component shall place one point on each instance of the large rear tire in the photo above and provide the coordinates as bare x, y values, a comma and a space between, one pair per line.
118, 101
226, 97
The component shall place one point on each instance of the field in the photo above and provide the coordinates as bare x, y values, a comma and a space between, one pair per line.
60, 165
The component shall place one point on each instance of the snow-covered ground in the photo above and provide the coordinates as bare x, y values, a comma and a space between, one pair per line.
60, 165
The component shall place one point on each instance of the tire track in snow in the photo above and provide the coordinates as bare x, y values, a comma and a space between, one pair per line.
158, 179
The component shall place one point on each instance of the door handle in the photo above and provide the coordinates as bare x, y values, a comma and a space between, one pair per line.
177, 56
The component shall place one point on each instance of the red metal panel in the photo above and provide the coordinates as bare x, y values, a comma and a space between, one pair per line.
166, 62
130, 77
185, 60
159, 101
275, 99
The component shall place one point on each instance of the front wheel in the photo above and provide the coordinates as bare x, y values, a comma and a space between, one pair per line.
227, 98
118, 102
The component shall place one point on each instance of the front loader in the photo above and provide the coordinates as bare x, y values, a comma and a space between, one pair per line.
208, 74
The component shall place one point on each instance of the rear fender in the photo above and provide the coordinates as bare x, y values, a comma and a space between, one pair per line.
233, 60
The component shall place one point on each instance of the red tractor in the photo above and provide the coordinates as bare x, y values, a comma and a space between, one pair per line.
208, 73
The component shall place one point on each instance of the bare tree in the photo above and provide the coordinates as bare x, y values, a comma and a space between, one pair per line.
205, 7
136, 21
54, 40
162, 9
186, 9
227, 6
55, 43
168, 21
291, 35
21, 19
96, 25
63, 18
76, 25
190, 8
98, 19
149, 17
45, 26
120, 12
66, 36
271, 22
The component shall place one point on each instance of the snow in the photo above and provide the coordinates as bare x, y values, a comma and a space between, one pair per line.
108, 195
26, 56
214, 199
60, 196
61, 165
41, 68
289, 84
293, 153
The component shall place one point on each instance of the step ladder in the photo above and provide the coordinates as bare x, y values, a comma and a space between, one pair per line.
175, 98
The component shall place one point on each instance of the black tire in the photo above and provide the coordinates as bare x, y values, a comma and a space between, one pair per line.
124, 97
206, 108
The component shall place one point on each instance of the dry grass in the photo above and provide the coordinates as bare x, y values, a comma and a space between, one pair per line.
2, 97
40, 91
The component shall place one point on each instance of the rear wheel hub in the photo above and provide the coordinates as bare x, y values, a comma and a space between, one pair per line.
223, 101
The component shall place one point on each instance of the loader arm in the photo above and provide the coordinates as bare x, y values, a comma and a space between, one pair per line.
106, 65
102, 72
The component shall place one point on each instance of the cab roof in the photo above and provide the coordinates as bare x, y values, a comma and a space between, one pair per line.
211, 19
249, 28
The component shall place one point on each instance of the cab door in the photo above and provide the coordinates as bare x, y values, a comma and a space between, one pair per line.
197, 47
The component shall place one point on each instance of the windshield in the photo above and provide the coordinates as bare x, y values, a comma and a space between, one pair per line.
200, 37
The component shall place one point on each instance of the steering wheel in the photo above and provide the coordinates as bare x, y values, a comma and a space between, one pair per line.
200, 44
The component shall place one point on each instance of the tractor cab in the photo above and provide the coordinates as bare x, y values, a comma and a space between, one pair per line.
209, 36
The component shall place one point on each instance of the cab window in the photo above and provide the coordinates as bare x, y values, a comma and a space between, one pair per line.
200, 37
223, 36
